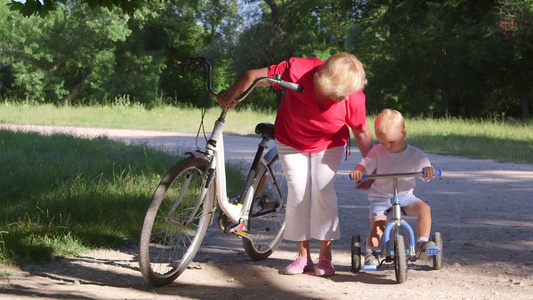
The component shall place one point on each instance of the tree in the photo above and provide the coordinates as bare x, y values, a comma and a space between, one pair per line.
438, 58
79, 54
43, 7
66, 54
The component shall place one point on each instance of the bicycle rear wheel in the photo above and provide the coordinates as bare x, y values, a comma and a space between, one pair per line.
175, 222
266, 221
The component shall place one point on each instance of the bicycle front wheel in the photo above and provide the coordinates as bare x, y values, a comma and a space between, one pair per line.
175, 222
400, 259
266, 221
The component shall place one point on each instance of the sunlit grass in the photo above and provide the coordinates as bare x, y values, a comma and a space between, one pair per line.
509, 141
488, 139
167, 118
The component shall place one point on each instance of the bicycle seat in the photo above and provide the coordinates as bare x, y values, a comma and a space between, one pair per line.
265, 130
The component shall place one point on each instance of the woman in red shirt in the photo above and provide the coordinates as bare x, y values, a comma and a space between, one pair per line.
311, 133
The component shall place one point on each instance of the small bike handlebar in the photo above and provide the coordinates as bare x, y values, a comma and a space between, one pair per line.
438, 172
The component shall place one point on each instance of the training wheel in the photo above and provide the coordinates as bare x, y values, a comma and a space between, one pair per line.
437, 259
356, 253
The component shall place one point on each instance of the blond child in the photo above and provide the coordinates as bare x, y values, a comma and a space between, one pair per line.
394, 155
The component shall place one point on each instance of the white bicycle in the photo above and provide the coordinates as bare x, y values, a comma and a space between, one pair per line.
185, 201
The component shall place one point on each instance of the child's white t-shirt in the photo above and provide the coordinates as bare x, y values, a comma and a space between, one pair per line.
411, 159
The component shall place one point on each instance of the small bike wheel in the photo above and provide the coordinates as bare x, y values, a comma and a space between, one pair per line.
437, 259
266, 220
356, 253
400, 259
175, 222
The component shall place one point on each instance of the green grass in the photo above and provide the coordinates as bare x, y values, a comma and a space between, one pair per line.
62, 195
131, 117
510, 141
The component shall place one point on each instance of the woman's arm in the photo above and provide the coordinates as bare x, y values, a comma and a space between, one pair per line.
363, 139
241, 84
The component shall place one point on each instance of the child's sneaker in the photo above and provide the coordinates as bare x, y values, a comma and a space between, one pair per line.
300, 265
371, 259
421, 249
324, 267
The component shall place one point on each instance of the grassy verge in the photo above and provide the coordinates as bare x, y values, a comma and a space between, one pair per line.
131, 117
509, 141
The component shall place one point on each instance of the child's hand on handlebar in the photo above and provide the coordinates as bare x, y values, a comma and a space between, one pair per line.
356, 175
429, 173
225, 98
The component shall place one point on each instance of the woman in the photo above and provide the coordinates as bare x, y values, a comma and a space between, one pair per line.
311, 134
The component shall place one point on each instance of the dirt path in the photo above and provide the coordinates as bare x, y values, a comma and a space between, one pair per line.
482, 208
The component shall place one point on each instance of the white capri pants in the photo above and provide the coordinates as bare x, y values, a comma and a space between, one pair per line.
312, 211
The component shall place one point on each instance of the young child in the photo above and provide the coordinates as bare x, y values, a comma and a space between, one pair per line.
394, 155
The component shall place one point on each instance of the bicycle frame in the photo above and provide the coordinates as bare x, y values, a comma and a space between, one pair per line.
214, 152
398, 222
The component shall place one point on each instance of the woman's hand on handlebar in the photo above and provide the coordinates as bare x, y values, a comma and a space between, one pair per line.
225, 98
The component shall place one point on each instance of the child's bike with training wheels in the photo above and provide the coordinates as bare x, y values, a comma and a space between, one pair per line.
392, 246
185, 201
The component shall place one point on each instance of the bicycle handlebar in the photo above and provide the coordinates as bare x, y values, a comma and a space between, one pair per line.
438, 172
202, 62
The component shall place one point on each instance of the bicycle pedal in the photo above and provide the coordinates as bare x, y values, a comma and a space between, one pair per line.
432, 250
237, 229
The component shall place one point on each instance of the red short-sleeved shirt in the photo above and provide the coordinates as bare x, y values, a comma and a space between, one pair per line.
309, 125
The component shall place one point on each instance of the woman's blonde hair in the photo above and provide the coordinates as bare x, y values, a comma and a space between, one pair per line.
387, 119
339, 76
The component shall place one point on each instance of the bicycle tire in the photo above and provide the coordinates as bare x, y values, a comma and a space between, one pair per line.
266, 221
437, 259
169, 241
400, 259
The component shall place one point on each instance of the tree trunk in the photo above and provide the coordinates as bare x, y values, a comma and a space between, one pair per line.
76, 90
525, 106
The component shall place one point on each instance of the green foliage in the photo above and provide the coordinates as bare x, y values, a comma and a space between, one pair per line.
432, 58
67, 55
43, 7
443, 58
